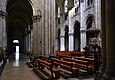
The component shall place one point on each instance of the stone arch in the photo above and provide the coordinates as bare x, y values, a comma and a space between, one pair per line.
19, 21
88, 16
66, 37
90, 28
77, 39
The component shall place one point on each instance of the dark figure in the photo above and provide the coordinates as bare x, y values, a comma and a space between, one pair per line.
97, 57
86, 51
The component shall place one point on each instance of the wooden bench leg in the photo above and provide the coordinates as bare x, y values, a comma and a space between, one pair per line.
90, 71
56, 72
75, 73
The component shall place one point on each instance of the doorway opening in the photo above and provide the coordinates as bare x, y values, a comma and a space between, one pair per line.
15, 46
16, 52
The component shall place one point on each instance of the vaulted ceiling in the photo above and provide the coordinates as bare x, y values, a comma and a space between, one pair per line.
20, 14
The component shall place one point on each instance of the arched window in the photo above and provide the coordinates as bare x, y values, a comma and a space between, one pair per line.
76, 2
59, 12
90, 29
89, 2
66, 6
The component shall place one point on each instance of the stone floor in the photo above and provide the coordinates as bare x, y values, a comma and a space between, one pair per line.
16, 69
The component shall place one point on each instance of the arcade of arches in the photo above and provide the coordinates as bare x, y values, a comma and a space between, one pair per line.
43, 27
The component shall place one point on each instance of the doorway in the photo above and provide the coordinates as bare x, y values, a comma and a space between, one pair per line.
16, 46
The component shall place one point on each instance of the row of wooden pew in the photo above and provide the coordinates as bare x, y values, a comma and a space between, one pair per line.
55, 64
69, 53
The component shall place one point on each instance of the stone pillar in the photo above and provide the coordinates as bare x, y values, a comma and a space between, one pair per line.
0, 31
3, 36
4, 31
62, 46
103, 38
43, 28
46, 12
82, 26
34, 37
83, 39
28, 42
71, 42
110, 40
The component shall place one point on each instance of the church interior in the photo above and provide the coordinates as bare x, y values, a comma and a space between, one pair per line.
57, 40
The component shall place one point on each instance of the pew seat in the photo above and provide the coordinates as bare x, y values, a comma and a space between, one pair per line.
44, 64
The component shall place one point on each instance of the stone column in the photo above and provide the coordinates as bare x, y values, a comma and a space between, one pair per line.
4, 31
110, 40
26, 42
82, 26
71, 42
29, 41
46, 17
34, 37
62, 47
43, 27
3, 36
83, 39
0, 31
103, 38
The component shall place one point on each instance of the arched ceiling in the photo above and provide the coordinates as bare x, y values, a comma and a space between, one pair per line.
19, 8
20, 14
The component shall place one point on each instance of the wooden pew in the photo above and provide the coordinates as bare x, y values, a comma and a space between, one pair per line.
76, 53
59, 53
68, 53
82, 63
44, 58
33, 60
57, 57
48, 65
85, 59
66, 65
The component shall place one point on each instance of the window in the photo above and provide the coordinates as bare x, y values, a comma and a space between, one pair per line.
59, 12
77, 10
76, 2
89, 2
66, 6
15, 41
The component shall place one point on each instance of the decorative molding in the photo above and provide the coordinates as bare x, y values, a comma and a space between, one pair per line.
4, 14
83, 31
71, 34
37, 17
62, 36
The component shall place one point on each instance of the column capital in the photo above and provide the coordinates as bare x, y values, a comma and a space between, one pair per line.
83, 30
71, 34
81, 1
